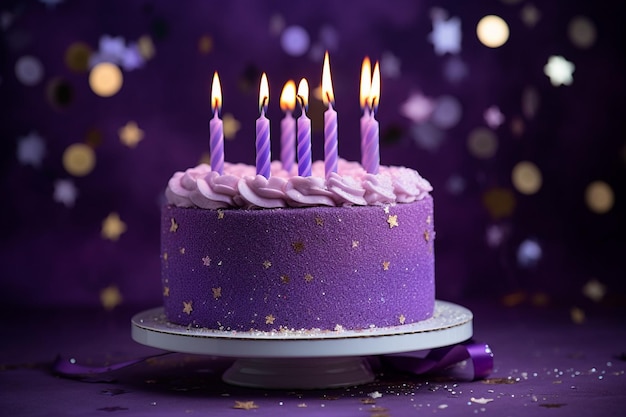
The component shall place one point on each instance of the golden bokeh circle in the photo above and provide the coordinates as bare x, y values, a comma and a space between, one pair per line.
492, 31
106, 79
499, 202
482, 143
599, 197
581, 32
79, 159
77, 57
526, 178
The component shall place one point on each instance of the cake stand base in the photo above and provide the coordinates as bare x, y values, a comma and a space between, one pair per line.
304, 359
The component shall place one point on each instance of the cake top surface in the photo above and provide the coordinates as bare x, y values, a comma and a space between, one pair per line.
240, 187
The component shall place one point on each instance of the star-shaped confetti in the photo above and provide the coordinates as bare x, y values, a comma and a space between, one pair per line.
308, 277
374, 395
217, 292
187, 307
559, 70
65, 192
402, 319
267, 264
426, 236
130, 134
269, 319
113, 227
417, 107
392, 220
284, 279
245, 405
231, 126
173, 225
31, 149
166, 291
110, 297
446, 35
206, 261
355, 244
386, 265
298, 246
493, 117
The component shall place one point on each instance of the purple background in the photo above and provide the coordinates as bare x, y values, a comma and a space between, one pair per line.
53, 255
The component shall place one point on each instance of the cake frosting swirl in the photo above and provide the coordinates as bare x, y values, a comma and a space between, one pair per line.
241, 187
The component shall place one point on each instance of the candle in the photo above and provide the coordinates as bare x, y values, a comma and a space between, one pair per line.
288, 126
263, 154
330, 121
370, 148
366, 85
216, 128
304, 131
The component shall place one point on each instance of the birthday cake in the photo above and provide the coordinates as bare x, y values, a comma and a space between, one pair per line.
352, 250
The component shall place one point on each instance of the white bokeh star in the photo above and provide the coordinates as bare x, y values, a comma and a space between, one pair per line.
65, 192
446, 35
389, 65
31, 149
493, 117
417, 107
559, 70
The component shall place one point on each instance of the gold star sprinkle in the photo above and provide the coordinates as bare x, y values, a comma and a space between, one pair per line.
206, 261
110, 297
245, 405
269, 319
308, 277
130, 135
284, 279
217, 292
319, 221
182, 251
165, 255
393, 221
173, 225
426, 236
220, 214
298, 246
187, 307
386, 209
267, 264
355, 244
386, 265
231, 126
113, 227
401, 319
166, 291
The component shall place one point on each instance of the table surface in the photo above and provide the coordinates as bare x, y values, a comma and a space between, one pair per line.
545, 364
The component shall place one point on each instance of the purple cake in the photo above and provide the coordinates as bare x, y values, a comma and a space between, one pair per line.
242, 252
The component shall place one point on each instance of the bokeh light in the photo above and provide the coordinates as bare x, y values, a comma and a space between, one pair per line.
581, 32
79, 159
482, 143
77, 57
295, 41
59, 92
530, 102
447, 112
499, 202
492, 31
529, 253
526, 177
599, 197
106, 79
29, 70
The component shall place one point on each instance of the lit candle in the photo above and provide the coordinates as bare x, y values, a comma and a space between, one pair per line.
216, 128
263, 152
366, 85
370, 156
330, 121
288, 126
304, 131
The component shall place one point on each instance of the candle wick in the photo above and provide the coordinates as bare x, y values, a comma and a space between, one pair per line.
328, 97
304, 106
263, 104
374, 104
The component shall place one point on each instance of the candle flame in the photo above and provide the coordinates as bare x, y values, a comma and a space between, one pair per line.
303, 93
264, 94
366, 82
216, 93
288, 96
375, 88
327, 84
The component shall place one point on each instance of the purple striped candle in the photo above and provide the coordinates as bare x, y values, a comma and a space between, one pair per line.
263, 152
370, 157
330, 121
364, 98
216, 128
304, 131
288, 126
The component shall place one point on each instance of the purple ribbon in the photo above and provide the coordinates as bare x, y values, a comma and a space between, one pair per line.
439, 359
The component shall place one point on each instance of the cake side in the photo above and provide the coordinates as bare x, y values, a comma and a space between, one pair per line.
298, 268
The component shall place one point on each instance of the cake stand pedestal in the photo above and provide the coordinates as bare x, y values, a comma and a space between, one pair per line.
304, 359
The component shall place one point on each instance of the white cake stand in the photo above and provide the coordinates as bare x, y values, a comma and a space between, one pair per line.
304, 359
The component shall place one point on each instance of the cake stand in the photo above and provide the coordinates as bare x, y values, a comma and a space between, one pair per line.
304, 359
